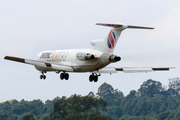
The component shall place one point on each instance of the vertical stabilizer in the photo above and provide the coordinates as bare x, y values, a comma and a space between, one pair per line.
108, 45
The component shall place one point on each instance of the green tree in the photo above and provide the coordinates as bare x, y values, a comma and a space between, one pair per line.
170, 93
104, 90
107, 92
28, 117
150, 88
90, 114
128, 117
48, 107
132, 94
20, 107
115, 112
77, 106
4, 117
91, 94
175, 84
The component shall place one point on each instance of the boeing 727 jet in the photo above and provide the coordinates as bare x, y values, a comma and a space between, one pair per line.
85, 60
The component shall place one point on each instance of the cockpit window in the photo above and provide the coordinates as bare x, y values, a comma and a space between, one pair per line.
45, 55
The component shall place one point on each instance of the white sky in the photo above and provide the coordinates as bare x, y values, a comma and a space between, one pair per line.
31, 26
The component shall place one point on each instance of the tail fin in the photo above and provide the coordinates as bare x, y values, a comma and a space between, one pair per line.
108, 45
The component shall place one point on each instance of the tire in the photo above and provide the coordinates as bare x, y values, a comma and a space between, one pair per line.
41, 76
44, 77
91, 78
62, 76
95, 78
66, 76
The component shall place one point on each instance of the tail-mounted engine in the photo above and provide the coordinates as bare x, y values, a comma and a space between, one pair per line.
85, 56
114, 58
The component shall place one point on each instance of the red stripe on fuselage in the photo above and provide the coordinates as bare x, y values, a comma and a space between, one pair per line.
111, 38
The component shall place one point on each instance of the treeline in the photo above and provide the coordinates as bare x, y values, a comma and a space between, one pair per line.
150, 102
150, 99
75, 107
15, 110
168, 115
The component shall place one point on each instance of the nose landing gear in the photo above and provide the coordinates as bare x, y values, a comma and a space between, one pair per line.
93, 77
43, 76
64, 76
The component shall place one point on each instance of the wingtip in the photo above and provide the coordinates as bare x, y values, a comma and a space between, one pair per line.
17, 59
6, 57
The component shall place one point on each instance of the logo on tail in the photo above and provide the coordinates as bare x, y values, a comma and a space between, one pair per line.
111, 39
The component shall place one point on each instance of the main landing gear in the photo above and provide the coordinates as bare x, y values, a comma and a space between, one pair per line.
93, 77
43, 76
64, 76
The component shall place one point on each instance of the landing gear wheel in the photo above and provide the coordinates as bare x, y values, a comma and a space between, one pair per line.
44, 77
62, 76
41, 76
91, 78
66, 76
95, 78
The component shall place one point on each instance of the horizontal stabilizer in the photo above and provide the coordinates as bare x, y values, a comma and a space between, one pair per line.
124, 26
139, 27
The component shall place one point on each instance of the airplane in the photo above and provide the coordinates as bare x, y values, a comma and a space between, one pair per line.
86, 60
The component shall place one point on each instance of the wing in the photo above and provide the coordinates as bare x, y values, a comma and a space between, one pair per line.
131, 69
40, 63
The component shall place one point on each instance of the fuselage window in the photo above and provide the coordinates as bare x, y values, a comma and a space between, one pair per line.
45, 55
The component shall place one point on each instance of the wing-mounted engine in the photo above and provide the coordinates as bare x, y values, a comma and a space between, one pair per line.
85, 56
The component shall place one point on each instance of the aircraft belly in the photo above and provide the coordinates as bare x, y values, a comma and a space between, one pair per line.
44, 68
84, 69
87, 68
102, 62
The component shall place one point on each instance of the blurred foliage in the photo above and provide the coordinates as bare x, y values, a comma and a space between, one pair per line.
28, 117
16, 110
150, 102
79, 107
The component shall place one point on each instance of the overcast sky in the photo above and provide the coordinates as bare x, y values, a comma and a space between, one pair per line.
28, 27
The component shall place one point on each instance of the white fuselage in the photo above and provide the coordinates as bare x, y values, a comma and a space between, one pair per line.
69, 58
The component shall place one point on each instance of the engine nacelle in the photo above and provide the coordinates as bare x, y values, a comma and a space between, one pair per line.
85, 56
114, 58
